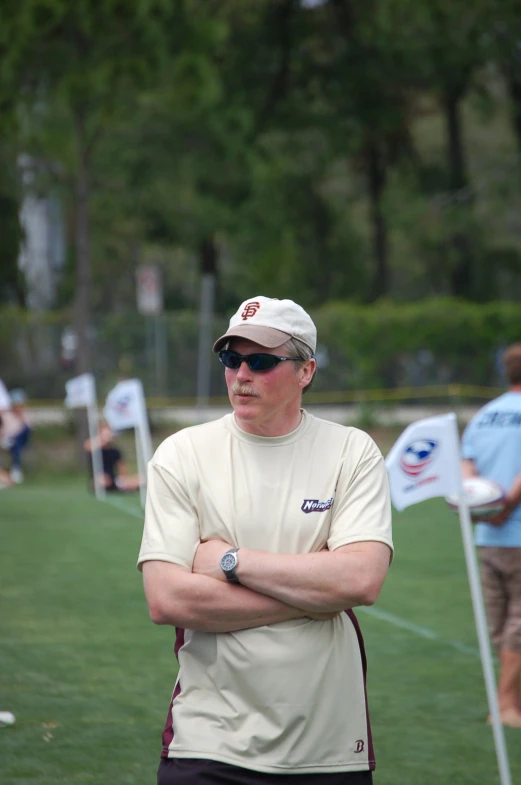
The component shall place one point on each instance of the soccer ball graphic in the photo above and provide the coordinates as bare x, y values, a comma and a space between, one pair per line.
417, 456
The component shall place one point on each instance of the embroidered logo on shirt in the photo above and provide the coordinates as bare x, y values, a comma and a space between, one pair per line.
359, 746
250, 309
313, 505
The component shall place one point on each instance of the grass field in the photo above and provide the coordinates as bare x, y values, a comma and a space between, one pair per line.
89, 677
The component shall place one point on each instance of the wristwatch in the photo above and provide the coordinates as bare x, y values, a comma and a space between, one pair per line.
229, 562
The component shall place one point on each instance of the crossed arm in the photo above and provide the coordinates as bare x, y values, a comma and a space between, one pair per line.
273, 587
513, 496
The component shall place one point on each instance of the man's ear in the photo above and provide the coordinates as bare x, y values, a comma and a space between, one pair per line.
307, 372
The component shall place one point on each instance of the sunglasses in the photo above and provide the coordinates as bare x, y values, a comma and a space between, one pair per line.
255, 362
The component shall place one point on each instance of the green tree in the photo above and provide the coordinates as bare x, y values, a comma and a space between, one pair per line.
72, 68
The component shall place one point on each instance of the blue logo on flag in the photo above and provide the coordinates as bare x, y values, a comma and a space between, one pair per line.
122, 404
417, 456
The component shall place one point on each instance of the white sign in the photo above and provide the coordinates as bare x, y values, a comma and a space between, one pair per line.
425, 461
149, 290
5, 400
125, 405
80, 392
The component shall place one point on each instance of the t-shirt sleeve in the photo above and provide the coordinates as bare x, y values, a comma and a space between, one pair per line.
171, 532
362, 507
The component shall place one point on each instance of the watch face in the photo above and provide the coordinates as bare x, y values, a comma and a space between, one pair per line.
228, 561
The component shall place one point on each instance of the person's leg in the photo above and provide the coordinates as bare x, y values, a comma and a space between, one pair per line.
5, 479
19, 442
494, 593
130, 482
509, 689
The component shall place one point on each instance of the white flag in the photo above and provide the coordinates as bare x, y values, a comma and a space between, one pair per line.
125, 405
80, 392
5, 400
425, 461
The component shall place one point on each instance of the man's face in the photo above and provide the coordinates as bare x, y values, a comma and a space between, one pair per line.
260, 397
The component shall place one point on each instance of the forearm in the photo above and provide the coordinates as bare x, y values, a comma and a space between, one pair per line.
198, 602
317, 582
468, 469
514, 493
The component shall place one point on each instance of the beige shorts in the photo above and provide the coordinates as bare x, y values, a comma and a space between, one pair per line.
501, 579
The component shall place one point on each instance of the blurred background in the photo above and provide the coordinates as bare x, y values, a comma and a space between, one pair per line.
162, 161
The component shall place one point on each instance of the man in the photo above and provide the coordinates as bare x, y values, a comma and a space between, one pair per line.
261, 529
492, 448
115, 475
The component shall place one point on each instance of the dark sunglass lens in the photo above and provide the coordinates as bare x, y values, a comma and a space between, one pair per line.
230, 359
262, 362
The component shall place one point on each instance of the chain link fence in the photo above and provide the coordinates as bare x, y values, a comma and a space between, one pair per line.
359, 349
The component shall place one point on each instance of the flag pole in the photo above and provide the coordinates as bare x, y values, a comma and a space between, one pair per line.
95, 452
141, 465
484, 642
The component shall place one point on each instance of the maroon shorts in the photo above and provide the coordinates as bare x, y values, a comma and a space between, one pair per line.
191, 771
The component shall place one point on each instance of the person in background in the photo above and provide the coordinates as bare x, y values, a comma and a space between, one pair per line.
491, 447
263, 530
115, 476
5, 477
15, 432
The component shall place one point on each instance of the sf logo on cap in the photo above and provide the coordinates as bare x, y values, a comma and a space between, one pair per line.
250, 309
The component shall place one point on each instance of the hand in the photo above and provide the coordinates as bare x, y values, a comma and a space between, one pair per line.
499, 520
207, 559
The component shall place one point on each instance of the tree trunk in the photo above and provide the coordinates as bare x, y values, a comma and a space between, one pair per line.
209, 257
82, 243
209, 265
376, 178
514, 89
82, 294
461, 273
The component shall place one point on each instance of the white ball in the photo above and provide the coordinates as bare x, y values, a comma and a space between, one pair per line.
484, 497
6, 718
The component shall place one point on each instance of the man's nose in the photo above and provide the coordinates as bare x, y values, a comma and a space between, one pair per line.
244, 372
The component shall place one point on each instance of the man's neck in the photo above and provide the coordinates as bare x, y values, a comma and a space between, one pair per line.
275, 427
515, 388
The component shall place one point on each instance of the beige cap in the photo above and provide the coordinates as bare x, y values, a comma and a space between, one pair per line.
270, 323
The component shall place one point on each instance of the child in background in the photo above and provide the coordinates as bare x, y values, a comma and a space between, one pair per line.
115, 475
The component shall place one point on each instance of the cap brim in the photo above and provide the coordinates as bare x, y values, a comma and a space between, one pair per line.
268, 337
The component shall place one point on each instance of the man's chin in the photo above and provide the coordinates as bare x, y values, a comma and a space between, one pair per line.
245, 406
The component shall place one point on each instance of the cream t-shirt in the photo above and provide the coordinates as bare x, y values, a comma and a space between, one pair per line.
287, 697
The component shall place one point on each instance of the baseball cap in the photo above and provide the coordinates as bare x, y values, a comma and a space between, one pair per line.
270, 323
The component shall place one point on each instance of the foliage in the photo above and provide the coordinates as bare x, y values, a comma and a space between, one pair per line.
385, 345
432, 342
341, 151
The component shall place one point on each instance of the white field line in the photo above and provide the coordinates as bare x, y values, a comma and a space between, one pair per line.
120, 504
422, 632
396, 621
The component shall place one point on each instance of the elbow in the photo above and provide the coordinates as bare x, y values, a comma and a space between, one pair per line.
162, 613
365, 592
369, 595
157, 614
